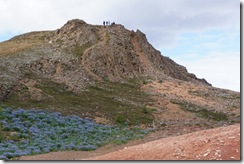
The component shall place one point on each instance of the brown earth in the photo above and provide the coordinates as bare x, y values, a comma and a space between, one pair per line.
174, 98
215, 144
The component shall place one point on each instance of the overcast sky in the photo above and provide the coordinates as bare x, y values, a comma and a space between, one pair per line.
202, 35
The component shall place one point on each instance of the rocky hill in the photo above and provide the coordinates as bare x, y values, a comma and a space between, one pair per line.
93, 52
110, 74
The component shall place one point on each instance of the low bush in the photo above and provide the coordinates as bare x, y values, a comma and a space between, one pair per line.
201, 111
119, 118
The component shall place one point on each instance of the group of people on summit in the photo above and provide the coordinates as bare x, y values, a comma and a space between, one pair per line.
107, 23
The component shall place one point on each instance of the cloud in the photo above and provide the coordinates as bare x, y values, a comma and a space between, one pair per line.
164, 21
221, 70
155, 15
213, 55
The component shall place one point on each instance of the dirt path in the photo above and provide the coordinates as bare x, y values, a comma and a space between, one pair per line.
215, 144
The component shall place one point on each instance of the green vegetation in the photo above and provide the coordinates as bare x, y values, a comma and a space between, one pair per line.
146, 110
59, 42
145, 80
160, 81
2, 133
201, 111
111, 100
1, 137
106, 78
119, 118
79, 50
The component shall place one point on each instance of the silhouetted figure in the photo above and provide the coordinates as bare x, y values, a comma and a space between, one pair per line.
107, 23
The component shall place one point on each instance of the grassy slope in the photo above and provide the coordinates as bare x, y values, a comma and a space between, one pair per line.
117, 102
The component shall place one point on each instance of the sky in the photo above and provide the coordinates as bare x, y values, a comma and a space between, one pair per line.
202, 35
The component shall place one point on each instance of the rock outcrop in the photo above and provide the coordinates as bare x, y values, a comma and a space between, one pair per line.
116, 53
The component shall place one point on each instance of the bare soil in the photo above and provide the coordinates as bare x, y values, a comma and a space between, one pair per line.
170, 114
216, 144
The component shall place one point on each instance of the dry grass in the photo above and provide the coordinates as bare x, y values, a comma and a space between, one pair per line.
23, 42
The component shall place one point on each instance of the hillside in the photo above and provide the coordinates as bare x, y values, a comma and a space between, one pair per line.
113, 76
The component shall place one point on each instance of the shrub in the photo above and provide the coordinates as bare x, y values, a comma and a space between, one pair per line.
146, 110
201, 111
145, 81
119, 118
1, 137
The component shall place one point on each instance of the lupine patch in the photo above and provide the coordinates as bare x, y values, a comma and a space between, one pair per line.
40, 131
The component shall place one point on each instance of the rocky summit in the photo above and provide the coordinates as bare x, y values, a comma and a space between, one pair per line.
115, 53
78, 52
110, 74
